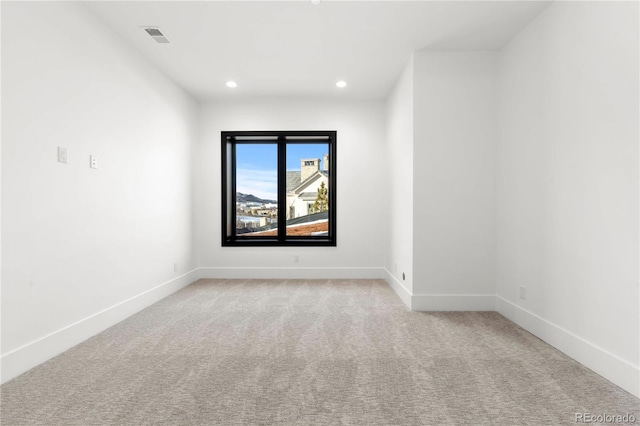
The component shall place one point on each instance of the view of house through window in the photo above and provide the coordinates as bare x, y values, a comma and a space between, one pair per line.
278, 188
307, 189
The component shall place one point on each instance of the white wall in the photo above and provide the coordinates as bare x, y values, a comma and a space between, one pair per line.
360, 169
78, 241
567, 209
399, 158
0, 199
454, 180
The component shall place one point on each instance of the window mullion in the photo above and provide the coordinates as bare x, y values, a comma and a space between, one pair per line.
233, 191
282, 188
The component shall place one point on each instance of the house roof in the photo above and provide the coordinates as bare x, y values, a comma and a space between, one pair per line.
293, 179
316, 224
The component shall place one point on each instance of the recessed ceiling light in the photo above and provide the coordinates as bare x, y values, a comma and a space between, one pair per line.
316, 2
341, 84
231, 84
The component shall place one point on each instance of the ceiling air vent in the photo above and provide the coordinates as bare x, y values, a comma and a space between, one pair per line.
155, 34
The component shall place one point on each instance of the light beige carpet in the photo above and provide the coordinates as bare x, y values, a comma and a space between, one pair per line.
308, 353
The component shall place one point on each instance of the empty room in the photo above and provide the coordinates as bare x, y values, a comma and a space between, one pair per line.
320, 212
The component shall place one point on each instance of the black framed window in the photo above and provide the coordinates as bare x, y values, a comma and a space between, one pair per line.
279, 188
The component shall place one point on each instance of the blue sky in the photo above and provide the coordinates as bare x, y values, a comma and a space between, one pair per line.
256, 166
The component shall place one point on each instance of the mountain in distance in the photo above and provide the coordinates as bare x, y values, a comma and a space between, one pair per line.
250, 198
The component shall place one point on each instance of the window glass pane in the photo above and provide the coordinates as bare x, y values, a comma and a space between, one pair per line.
308, 189
256, 189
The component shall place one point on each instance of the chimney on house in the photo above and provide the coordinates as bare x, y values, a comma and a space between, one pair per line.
308, 166
325, 162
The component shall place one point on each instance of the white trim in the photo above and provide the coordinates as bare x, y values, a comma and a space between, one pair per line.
453, 302
440, 302
304, 184
610, 366
291, 273
403, 293
26, 357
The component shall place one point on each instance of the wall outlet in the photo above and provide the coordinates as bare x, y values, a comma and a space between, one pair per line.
62, 155
296, 258
93, 161
523, 293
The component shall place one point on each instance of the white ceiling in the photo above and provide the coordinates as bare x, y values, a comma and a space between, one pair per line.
296, 48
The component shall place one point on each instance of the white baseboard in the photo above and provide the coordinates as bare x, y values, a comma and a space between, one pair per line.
290, 273
608, 365
453, 302
26, 357
440, 302
403, 293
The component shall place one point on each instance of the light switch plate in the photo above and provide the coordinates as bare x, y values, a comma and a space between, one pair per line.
62, 155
